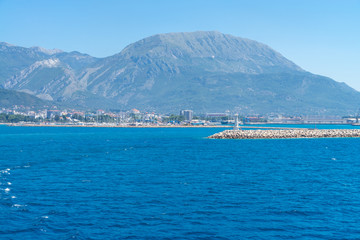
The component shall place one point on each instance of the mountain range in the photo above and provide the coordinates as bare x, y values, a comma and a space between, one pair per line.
202, 71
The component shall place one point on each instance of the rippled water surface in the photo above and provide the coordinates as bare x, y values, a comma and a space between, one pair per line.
130, 183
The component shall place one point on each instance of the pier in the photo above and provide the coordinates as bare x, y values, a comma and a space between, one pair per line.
287, 133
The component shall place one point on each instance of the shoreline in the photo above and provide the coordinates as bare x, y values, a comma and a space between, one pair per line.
110, 126
247, 127
141, 126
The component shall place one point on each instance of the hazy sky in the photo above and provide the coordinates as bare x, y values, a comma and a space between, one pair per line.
321, 36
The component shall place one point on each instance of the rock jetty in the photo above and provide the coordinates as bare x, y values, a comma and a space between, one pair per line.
287, 133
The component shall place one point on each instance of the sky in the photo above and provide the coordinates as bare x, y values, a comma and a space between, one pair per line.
321, 36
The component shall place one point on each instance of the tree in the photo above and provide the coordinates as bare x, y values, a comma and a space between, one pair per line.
57, 118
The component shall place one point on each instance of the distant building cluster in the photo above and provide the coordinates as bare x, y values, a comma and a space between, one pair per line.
135, 117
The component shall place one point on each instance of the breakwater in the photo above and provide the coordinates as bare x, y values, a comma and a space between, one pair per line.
287, 133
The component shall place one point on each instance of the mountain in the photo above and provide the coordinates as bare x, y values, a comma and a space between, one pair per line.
203, 71
48, 74
10, 98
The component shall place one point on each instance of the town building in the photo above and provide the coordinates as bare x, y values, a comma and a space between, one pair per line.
188, 114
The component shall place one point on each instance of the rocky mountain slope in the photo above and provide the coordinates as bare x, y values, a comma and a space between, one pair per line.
203, 71
10, 98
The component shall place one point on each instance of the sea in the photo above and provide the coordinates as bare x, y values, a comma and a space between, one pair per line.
174, 183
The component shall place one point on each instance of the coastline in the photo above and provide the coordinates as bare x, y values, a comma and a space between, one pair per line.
142, 126
112, 126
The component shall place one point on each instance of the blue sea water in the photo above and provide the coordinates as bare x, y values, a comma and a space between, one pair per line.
132, 183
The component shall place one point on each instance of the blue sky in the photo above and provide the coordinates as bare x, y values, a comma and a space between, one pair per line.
321, 36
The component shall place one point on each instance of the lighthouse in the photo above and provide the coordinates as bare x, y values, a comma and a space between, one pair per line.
236, 125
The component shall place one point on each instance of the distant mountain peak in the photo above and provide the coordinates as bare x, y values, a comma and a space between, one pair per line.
6, 44
47, 51
35, 49
239, 54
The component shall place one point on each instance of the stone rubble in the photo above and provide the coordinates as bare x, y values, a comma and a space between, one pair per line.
288, 133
